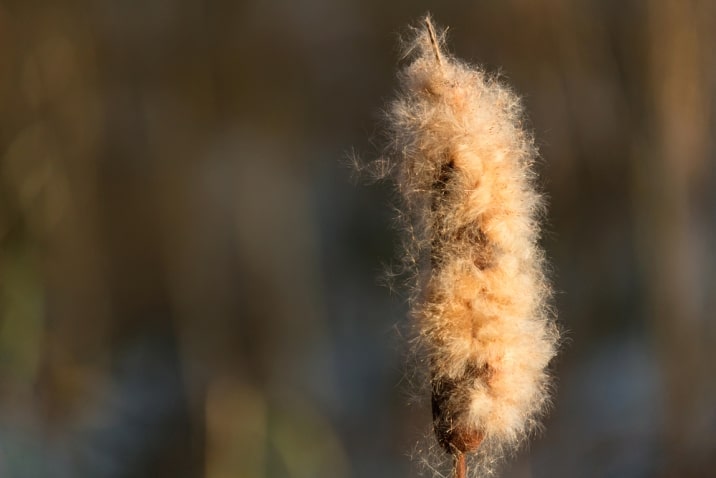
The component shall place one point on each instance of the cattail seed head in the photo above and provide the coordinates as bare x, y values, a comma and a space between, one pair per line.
463, 165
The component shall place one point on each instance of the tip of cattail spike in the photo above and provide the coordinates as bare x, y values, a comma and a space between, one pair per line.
433, 40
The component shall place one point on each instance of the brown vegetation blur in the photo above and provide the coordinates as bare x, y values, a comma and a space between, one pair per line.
188, 274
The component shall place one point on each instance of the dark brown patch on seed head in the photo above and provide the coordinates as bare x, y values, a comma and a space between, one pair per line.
450, 404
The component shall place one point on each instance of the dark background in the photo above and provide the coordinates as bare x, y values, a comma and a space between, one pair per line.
189, 275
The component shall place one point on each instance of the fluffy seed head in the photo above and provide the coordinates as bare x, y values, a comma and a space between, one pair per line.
463, 165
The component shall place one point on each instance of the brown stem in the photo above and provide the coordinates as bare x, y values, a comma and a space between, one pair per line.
460, 465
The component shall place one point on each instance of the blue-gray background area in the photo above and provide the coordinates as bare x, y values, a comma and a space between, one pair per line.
192, 278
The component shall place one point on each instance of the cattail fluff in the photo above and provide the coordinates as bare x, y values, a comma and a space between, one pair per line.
463, 166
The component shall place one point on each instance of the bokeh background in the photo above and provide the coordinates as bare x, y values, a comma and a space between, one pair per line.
190, 277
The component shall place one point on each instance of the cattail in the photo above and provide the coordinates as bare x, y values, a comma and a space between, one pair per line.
463, 165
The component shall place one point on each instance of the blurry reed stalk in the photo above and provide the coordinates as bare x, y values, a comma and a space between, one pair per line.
463, 165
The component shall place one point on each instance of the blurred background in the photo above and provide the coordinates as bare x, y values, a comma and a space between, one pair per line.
190, 278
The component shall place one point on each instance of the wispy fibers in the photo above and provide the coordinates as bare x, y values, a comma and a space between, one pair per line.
463, 165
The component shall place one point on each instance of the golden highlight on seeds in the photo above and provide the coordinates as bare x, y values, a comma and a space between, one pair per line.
463, 165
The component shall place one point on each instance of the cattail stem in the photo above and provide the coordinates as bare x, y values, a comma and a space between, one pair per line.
460, 465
